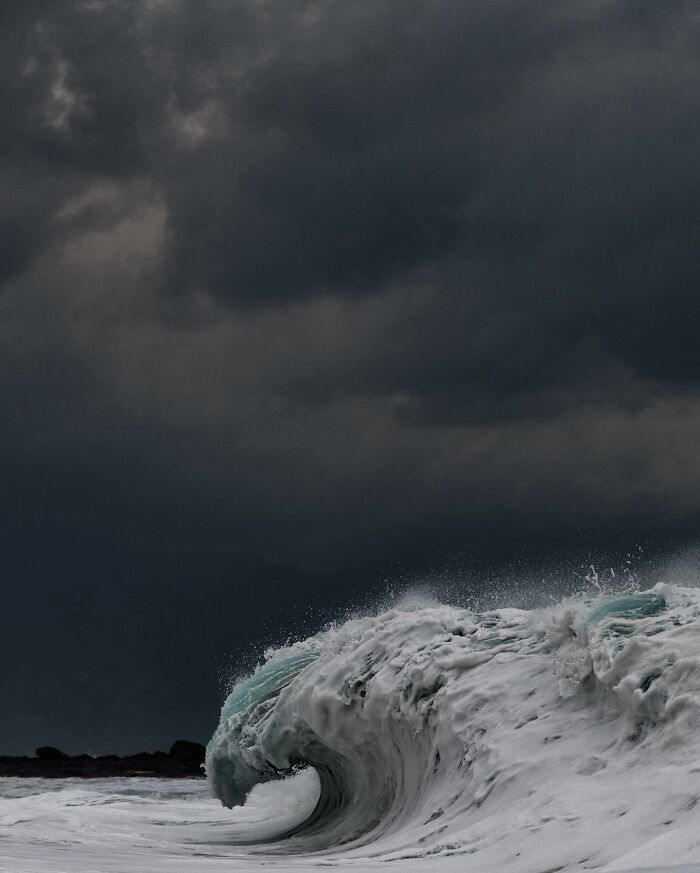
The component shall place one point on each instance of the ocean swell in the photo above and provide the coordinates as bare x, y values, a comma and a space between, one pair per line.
428, 725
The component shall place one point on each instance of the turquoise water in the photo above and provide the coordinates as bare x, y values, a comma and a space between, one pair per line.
630, 606
267, 682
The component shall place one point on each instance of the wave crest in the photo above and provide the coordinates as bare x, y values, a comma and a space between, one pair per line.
425, 722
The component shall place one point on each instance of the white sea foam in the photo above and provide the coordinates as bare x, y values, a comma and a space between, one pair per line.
433, 737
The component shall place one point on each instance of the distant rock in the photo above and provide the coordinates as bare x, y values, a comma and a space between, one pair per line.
50, 753
184, 760
185, 749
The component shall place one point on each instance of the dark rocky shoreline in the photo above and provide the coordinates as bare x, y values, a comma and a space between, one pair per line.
184, 759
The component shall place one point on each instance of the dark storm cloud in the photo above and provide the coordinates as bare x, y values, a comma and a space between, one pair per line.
292, 293
536, 168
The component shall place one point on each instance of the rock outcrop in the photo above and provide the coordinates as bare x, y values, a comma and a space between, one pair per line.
185, 759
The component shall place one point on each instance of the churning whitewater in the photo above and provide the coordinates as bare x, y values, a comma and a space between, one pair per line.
560, 738
427, 737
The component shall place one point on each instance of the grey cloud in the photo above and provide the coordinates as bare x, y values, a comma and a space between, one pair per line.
458, 215
296, 294
540, 169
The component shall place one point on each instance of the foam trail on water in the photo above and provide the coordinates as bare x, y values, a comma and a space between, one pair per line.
439, 732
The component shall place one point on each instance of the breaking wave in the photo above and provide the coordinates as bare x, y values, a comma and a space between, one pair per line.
436, 730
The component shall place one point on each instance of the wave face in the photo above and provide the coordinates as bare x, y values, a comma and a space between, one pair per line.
439, 731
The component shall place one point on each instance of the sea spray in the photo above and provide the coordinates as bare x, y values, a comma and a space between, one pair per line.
426, 721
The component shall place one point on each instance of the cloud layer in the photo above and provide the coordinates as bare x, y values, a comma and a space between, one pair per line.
315, 290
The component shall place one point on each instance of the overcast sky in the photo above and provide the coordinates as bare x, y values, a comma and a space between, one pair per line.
297, 297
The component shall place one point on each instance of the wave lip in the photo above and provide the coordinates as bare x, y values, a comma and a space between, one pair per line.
424, 722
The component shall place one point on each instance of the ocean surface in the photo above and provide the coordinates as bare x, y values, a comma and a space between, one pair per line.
425, 737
